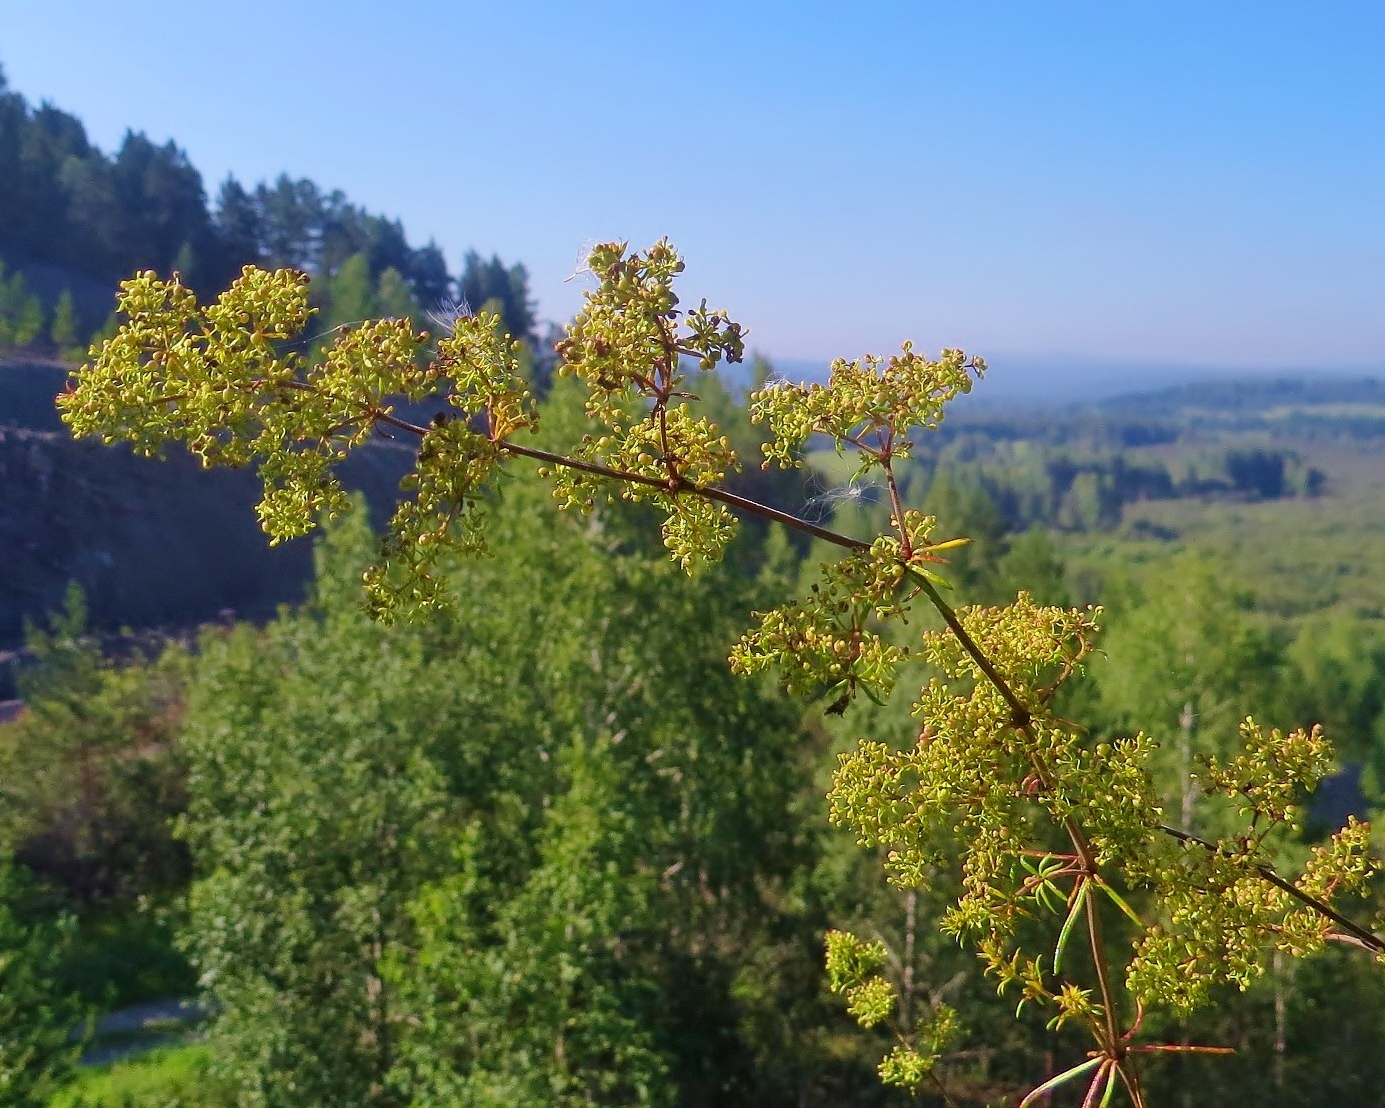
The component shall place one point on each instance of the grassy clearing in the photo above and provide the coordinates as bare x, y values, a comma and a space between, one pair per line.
170, 1077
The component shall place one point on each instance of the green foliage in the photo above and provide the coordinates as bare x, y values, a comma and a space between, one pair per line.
555, 1011
123, 955
91, 768
315, 808
37, 1046
591, 827
1185, 665
1049, 831
351, 294
1337, 678
600, 937
92, 778
394, 296
63, 331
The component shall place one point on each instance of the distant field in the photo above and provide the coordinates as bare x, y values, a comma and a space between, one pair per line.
1296, 554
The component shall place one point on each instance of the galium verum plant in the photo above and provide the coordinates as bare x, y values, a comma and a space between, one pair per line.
1049, 825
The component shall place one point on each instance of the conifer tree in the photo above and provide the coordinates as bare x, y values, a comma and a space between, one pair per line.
21, 312
63, 332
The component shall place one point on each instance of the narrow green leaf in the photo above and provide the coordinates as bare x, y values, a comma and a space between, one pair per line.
1119, 902
1050, 896
1053, 1082
1077, 902
1110, 1086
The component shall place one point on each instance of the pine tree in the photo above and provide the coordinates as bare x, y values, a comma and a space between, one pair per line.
484, 281
21, 312
63, 332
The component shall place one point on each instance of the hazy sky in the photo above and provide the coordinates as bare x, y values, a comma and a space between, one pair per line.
1160, 184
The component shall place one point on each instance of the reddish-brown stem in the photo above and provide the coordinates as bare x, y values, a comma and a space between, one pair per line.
730, 499
1108, 1001
1132, 1085
1355, 933
1178, 1048
1139, 1019
906, 546
1103, 1075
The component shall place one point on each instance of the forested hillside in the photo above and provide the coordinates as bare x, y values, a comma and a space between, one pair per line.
75, 220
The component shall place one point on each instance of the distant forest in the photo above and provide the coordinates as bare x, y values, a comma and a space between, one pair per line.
75, 220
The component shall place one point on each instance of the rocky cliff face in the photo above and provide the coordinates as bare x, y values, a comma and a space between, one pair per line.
153, 543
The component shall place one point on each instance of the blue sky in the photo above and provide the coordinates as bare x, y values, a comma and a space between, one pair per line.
1110, 188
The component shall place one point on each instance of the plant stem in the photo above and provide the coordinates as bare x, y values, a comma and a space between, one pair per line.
1361, 935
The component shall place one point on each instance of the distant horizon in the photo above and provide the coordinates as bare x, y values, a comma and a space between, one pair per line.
1063, 382
1181, 184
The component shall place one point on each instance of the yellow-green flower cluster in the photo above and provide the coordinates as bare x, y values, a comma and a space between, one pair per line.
898, 394
219, 380
1273, 770
482, 362
628, 346
628, 331
1218, 915
973, 779
822, 643
442, 519
695, 530
1109, 791
872, 1000
906, 1068
1027, 643
850, 960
